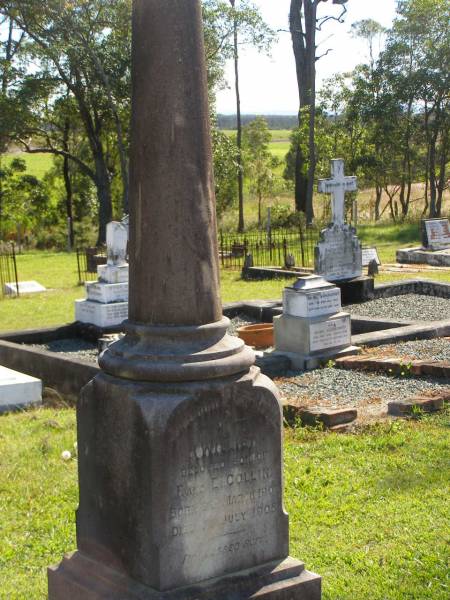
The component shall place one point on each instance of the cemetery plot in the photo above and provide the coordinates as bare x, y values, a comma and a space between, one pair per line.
368, 393
408, 307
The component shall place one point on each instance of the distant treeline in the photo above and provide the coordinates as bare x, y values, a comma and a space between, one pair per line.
274, 121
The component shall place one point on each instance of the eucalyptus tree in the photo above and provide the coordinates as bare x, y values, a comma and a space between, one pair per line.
81, 50
246, 27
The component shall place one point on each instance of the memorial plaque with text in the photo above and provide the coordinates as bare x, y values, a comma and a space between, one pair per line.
330, 334
438, 233
225, 490
311, 303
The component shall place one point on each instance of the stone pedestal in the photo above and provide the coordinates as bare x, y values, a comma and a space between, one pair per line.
199, 464
312, 327
179, 437
107, 299
99, 314
113, 273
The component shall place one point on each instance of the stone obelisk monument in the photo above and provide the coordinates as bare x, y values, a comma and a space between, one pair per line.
179, 437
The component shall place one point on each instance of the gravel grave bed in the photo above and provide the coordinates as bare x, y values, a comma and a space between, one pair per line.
368, 392
436, 349
82, 350
409, 307
71, 348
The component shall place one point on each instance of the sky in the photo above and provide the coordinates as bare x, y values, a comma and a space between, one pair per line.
269, 85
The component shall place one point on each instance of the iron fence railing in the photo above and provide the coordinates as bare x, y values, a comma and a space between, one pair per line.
270, 248
88, 259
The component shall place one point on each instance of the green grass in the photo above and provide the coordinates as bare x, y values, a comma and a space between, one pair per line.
37, 164
368, 511
58, 273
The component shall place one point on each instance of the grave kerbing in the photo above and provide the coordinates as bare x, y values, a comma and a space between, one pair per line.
179, 439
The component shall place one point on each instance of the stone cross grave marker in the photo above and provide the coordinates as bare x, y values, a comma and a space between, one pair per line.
338, 185
338, 255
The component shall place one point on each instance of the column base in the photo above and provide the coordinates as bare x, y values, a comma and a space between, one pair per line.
78, 577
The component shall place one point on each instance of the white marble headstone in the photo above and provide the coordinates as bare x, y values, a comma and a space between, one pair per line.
116, 243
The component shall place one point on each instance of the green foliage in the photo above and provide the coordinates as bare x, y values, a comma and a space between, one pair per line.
225, 170
24, 200
259, 162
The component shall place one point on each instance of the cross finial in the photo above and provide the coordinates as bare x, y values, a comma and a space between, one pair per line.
338, 185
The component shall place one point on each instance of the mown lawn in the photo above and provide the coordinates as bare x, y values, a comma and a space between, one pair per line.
37, 164
368, 511
58, 273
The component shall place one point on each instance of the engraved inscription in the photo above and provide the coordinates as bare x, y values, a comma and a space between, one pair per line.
225, 491
330, 334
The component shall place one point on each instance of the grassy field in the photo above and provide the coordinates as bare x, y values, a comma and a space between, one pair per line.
58, 273
368, 511
37, 164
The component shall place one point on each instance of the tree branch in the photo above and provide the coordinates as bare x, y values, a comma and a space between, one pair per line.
50, 150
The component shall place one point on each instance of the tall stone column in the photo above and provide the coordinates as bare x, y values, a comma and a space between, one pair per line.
179, 437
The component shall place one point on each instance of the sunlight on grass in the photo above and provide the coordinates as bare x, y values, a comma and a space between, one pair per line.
367, 511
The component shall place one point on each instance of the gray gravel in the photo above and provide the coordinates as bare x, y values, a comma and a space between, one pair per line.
409, 307
72, 348
240, 321
334, 388
436, 349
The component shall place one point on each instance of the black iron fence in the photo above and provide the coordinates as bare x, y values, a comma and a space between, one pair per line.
88, 259
8, 270
278, 248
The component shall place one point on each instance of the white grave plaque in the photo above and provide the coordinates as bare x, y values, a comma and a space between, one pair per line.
311, 304
101, 315
18, 390
107, 292
25, 287
368, 255
438, 234
330, 334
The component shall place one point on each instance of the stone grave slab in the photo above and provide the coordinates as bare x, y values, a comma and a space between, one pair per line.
25, 287
436, 234
101, 315
368, 255
18, 390
105, 293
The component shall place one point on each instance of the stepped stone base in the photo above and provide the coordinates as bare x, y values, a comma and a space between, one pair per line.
101, 315
80, 578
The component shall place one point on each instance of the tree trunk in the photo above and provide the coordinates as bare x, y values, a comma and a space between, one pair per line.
104, 197
68, 184
441, 183
310, 19
241, 224
301, 181
379, 193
